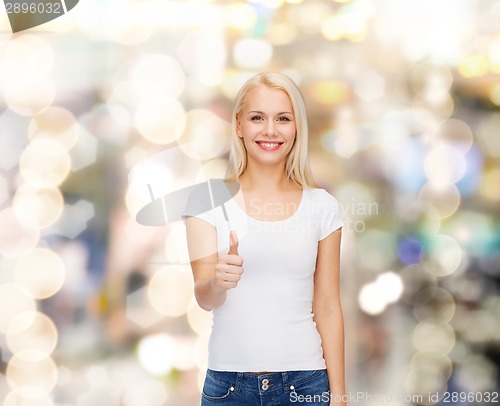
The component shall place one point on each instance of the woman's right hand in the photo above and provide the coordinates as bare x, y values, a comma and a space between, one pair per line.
229, 268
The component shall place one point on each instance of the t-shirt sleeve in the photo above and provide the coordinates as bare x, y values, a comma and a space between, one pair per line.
199, 205
331, 219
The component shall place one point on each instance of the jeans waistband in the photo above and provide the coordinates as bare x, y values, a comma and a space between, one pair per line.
272, 382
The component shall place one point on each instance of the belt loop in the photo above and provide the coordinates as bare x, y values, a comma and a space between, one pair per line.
239, 380
284, 376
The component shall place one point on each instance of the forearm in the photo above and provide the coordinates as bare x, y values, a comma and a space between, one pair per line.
208, 295
330, 324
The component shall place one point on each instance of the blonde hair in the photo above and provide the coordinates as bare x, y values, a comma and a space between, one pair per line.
297, 162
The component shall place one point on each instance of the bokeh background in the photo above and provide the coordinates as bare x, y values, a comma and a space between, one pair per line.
403, 98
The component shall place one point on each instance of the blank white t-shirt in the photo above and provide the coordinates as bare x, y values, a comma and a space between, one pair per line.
266, 322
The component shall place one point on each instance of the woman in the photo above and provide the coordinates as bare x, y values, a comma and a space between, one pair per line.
277, 335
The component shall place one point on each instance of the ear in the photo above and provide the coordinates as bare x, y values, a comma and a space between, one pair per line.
238, 127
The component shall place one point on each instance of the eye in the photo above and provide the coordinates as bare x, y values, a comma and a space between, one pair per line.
256, 118
283, 119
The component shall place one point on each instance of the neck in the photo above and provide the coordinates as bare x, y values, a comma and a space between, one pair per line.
264, 178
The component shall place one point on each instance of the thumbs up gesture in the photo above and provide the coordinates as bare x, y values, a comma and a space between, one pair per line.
229, 266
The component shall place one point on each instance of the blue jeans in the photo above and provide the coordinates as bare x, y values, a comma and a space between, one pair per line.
273, 389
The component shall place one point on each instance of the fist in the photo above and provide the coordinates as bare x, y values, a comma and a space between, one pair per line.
229, 268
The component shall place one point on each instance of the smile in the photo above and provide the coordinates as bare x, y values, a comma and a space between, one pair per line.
269, 146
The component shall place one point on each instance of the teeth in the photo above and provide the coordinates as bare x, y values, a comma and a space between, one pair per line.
269, 144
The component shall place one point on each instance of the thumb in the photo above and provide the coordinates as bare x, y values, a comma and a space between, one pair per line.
233, 243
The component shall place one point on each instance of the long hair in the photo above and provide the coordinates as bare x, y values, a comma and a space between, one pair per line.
297, 162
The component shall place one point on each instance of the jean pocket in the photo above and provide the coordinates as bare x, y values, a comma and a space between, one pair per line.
214, 390
313, 388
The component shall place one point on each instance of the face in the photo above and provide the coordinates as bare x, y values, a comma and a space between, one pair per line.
267, 126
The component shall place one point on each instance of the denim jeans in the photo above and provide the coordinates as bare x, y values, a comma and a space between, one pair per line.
306, 388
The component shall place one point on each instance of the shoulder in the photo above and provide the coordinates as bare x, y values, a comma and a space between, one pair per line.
322, 197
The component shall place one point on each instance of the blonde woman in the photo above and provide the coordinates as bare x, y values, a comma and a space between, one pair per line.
272, 282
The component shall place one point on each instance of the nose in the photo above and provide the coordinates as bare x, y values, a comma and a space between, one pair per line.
270, 129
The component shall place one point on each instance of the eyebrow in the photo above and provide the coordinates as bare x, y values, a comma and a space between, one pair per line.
261, 112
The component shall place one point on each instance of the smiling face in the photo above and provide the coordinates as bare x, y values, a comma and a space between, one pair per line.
267, 126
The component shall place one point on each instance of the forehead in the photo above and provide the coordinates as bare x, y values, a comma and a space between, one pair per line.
263, 98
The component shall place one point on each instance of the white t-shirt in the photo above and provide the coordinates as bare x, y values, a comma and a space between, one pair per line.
266, 322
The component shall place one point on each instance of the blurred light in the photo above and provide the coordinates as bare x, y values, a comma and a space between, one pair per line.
157, 75
160, 120
199, 320
487, 134
37, 208
75, 218
445, 199
409, 250
239, 15
170, 290
215, 168
15, 239
456, 133
272, 3
473, 66
24, 57
55, 123
31, 331
415, 278
369, 86
131, 28
176, 249
489, 186
377, 250
208, 132
4, 190
474, 231
139, 309
444, 165
329, 92
495, 94
101, 391
201, 351
443, 254
375, 296
431, 82
156, 353
204, 54
41, 272
477, 374
424, 379
148, 392
371, 299
282, 33
252, 53
419, 219
18, 302
109, 122
183, 358
434, 303
432, 361
156, 175
347, 23
44, 163
30, 96
474, 164
15, 399
84, 153
31, 374
390, 284
431, 336
309, 16
233, 81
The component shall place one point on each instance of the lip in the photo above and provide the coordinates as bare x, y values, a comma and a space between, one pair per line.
271, 145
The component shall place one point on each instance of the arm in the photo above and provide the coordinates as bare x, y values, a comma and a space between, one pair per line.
327, 311
213, 274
